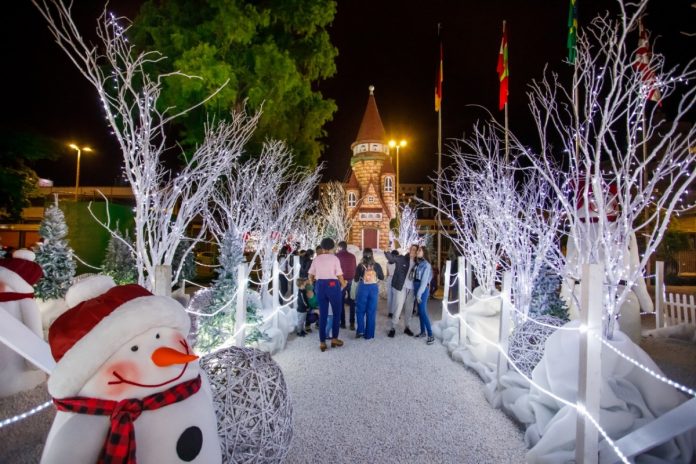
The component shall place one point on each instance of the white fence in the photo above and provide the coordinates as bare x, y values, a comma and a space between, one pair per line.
671, 308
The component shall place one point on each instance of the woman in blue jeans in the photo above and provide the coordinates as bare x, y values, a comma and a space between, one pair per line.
422, 274
368, 273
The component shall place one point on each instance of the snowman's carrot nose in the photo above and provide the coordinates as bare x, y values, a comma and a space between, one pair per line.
166, 357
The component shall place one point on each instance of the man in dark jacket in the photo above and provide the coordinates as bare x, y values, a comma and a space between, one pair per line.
348, 266
402, 284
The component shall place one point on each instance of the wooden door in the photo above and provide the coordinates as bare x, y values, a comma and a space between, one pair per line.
370, 238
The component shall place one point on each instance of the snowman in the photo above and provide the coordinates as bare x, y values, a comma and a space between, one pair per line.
17, 276
126, 385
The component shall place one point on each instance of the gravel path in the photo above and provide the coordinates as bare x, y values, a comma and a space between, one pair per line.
391, 401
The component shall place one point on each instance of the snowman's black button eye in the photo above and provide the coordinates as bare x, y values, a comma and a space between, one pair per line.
157, 336
134, 348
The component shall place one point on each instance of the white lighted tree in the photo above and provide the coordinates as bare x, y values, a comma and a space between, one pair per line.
333, 211
625, 168
407, 234
165, 201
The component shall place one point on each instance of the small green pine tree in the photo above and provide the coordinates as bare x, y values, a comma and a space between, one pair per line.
215, 330
119, 262
188, 268
54, 256
546, 299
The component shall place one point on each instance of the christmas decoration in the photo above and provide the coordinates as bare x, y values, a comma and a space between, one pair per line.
119, 262
54, 255
252, 403
546, 299
527, 341
125, 377
407, 233
17, 275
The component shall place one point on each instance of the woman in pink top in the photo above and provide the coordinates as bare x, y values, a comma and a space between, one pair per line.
326, 272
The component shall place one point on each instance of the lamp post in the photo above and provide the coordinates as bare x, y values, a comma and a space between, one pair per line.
393, 144
77, 173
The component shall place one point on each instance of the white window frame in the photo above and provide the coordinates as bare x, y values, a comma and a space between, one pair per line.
352, 200
388, 184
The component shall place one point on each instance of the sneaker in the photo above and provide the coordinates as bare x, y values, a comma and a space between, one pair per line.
359, 335
430, 340
308, 330
390, 315
343, 325
352, 326
420, 335
391, 333
336, 343
408, 332
322, 346
301, 333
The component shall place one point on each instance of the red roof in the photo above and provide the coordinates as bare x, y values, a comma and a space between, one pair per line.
353, 181
371, 128
387, 167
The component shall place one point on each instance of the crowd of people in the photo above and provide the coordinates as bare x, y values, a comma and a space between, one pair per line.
331, 277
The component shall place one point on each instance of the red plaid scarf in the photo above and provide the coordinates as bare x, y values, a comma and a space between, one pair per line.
119, 446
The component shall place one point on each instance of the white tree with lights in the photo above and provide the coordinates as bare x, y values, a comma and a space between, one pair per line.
626, 168
333, 211
407, 234
165, 202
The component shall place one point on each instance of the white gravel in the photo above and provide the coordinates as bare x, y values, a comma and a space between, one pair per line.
391, 401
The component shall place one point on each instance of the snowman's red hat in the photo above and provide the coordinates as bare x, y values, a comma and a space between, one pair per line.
85, 336
20, 271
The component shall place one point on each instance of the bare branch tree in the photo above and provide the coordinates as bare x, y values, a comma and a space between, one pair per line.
407, 234
165, 202
626, 168
333, 210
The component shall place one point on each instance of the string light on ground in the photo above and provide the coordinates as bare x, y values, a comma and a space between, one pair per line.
24, 415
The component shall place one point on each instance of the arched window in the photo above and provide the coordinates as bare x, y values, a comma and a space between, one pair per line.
388, 184
352, 200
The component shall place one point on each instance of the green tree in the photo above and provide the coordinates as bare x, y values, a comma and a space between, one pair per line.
18, 181
273, 53
546, 299
119, 262
54, 256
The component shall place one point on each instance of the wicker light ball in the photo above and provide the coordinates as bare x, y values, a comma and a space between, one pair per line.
527, 342
252, 405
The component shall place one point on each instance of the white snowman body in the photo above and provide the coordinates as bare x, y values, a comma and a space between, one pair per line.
151, 362
17, 374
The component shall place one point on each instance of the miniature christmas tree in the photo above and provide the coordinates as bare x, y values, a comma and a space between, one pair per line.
54, 255
188, 268
119, 262
546, 299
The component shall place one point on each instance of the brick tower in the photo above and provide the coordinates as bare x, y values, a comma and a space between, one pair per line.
370, 189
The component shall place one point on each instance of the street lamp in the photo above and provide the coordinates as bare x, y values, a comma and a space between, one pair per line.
392, 144
77, 174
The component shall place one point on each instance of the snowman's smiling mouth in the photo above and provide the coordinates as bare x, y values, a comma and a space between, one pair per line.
121, 379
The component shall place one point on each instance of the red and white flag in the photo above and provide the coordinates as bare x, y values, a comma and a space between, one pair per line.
642, 64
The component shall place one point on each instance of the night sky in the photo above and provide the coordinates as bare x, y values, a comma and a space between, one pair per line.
384, 43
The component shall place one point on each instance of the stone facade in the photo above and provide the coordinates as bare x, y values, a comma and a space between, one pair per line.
371, 188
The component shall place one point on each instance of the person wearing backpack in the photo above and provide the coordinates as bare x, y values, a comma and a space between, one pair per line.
367, 275
423, 274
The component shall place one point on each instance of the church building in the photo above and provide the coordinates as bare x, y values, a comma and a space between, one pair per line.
370, 190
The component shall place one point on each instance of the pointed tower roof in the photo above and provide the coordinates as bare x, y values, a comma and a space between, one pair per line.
371, 128
352, 182
387, 167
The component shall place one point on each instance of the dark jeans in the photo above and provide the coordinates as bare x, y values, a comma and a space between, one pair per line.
329, 291
367, 309
351, 303
423, 313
